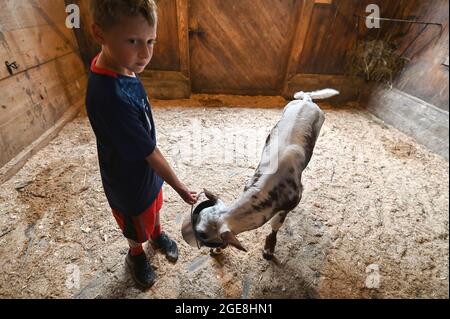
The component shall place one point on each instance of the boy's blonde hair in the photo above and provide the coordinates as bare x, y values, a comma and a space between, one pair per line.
106, 13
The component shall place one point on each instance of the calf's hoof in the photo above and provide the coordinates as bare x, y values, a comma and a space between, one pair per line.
267, 255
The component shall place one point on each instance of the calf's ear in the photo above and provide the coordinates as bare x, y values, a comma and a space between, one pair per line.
211, 196
230, 239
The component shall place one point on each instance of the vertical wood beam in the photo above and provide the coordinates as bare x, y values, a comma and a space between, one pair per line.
298, 41
183, 36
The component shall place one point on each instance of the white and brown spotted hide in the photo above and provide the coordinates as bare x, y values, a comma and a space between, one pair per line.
276, 187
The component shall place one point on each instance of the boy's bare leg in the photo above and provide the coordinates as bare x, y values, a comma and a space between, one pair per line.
133, 244
135, 248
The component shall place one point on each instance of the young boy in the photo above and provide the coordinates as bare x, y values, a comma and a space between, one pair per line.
131, 166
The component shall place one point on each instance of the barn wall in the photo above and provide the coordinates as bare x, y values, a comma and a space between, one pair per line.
418, 104
215, 46
331, 33
86, 42
247, 54
48, 86
426, 77
252, 47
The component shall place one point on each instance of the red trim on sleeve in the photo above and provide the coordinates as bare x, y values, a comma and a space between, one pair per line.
98, 70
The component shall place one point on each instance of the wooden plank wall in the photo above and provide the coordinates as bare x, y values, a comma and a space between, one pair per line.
241, 46
426, 77
331, 32
418, 103
168, 75
50, 81
245, 47
86, 42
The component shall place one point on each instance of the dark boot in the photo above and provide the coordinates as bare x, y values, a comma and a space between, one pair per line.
141, 270
167, 246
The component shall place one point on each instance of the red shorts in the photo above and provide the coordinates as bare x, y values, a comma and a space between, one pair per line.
140, 228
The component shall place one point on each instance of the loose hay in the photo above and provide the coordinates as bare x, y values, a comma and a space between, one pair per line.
377, 61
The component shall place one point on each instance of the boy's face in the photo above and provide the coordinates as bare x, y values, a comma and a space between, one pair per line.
128, 44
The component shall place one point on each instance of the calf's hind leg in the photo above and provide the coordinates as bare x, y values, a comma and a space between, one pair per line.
271, 239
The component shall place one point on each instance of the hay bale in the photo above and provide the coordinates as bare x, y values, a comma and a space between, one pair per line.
376, 60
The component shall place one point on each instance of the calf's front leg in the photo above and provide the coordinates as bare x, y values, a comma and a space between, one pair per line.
271, 239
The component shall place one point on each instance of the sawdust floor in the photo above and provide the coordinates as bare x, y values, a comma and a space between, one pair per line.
373, 221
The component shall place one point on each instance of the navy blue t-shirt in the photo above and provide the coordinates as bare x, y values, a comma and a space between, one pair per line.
120, 115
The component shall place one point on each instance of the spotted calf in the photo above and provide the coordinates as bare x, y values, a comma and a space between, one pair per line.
276, 187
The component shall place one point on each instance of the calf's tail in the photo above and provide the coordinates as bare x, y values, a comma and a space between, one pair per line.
316, 95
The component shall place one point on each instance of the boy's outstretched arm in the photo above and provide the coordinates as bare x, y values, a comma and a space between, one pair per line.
160, 165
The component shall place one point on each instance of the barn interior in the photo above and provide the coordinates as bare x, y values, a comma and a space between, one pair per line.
373, 220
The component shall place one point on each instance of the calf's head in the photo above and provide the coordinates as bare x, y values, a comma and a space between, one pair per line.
212, 226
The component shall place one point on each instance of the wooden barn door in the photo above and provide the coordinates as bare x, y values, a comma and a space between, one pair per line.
240, 46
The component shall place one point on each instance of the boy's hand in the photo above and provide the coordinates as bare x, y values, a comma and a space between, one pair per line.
188, 196
165, 171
